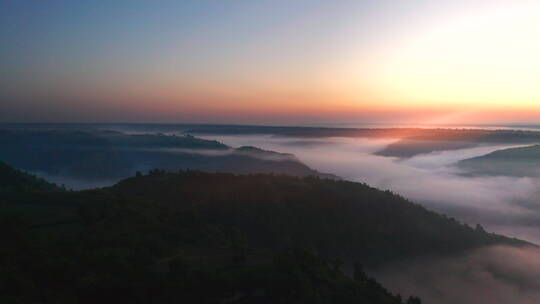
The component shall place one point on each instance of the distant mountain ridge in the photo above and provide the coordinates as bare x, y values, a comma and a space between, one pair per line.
411, 141
517, 162
444, 140
93, 155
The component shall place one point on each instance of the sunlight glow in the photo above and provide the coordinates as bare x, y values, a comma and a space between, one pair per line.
481, 60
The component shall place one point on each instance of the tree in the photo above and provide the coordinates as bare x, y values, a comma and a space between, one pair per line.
359, 274
479, 228
414, 300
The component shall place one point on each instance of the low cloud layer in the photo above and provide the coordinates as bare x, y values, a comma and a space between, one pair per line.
505, 205
494, 275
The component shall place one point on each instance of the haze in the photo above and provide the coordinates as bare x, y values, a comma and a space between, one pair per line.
270, 151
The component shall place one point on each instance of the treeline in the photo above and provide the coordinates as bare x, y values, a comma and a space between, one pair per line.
196, 237
109, 156
337, 218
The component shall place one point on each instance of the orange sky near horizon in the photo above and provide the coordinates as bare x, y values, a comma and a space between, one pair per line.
387, 61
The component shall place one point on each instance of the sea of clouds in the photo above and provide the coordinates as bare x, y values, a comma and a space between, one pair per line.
506, 205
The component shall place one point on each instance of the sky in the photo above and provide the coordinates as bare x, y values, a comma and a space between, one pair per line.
270, 61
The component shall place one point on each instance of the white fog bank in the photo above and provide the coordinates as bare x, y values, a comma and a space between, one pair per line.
506, 205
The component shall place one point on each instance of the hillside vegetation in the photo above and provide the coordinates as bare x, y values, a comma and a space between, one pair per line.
12, 179
519, 162
78, 156
216, 238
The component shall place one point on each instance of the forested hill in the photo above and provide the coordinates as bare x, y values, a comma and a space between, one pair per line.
12, 179
122, 246
216, 238
336, 218
88, 156
519, 162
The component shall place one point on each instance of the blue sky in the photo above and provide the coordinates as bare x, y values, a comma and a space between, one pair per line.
173, 61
